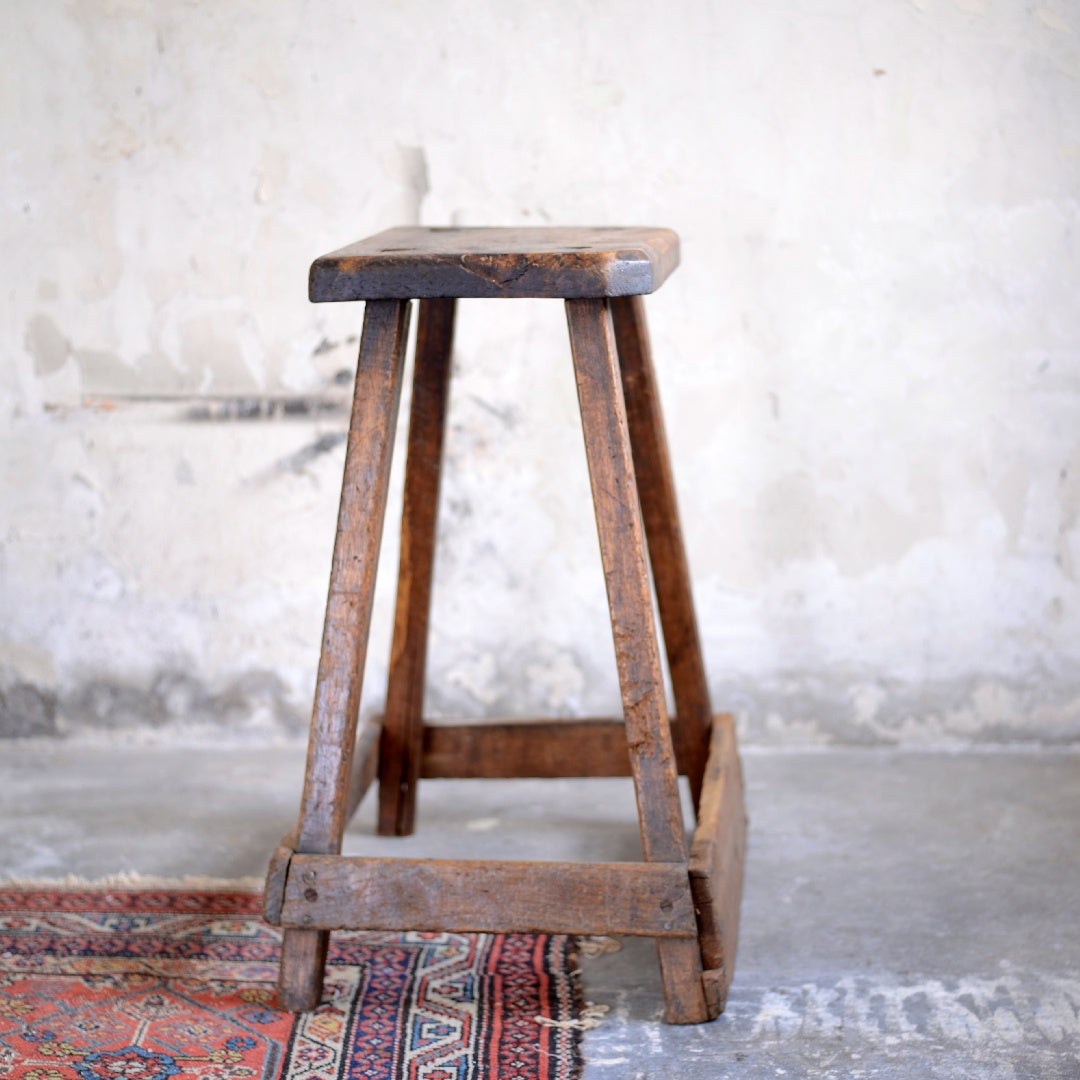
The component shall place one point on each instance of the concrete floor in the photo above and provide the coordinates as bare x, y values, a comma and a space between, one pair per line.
906, 914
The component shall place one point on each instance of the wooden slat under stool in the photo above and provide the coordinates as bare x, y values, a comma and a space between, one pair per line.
688, 899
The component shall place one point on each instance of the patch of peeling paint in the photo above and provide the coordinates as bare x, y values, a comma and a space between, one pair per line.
975, 1012
28, 712
173, 704
46, 344
811, 709
871, 395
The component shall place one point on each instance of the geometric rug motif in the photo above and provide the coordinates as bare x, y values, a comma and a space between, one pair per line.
152, 984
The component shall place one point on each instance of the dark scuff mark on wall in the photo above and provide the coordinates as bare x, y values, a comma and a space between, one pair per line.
254, 701
27, 712
508, 415
227, 409
303, 457
327, 346
297, 462
241, 408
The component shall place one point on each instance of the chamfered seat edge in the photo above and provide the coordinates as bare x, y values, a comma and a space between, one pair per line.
415, 262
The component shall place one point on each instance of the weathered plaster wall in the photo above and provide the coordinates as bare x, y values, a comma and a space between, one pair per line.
870, 357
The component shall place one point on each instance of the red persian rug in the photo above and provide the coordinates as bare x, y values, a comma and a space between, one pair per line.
147, 984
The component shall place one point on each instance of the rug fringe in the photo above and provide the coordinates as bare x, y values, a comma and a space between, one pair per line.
590, 1018
598, 945
128, 879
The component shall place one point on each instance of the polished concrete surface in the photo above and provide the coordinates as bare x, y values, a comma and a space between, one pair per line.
906, 914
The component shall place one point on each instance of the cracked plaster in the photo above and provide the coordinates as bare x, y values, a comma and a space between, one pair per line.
870, 357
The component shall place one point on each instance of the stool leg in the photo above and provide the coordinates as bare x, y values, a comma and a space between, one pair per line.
348, 618
637, 654
401, 748
667, 553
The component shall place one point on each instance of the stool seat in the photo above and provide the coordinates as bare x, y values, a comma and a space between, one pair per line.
568, 263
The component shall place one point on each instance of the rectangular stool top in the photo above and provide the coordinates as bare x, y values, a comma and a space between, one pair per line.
571, 262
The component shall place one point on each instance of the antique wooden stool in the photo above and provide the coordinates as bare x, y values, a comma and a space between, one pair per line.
685, 897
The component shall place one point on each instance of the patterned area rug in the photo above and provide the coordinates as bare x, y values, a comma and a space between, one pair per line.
125, 984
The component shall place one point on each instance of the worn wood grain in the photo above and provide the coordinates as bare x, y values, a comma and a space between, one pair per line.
715, 992
402, 744
303, 952
717, 856
637, 655
667, 552
651, 899
324, 803
493, 748
276, 876
622, 550
685, 1000
490, 262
